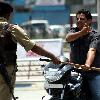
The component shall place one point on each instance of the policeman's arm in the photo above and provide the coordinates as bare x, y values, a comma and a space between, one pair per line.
90, 57
40, 51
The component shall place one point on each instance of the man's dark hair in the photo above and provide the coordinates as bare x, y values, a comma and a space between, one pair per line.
85, 12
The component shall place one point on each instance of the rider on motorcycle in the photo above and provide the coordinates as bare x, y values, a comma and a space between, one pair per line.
85, 50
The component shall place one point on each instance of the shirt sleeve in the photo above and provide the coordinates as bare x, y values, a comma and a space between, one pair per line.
21, 37
95, 41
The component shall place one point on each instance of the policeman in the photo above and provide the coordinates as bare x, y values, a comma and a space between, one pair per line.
10, 34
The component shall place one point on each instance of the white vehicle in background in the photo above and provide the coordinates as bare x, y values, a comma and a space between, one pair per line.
68, 26
60, 30
37, 28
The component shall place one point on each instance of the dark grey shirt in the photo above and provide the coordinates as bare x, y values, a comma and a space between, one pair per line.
80, 47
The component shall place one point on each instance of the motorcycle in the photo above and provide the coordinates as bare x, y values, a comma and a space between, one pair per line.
63, 82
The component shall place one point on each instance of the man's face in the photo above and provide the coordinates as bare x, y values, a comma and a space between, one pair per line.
81, 20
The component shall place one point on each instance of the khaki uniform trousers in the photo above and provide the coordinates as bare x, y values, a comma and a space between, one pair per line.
4, 89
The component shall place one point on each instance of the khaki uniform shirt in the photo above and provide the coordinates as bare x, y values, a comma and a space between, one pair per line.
19, 35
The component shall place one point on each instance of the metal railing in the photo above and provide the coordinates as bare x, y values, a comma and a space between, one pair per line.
29, 70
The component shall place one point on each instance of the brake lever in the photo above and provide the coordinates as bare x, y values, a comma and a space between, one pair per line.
45, 59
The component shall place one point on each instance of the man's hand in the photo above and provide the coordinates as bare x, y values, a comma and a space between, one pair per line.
86, 67
86, 29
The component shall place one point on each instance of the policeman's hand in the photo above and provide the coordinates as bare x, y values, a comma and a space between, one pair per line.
56, 60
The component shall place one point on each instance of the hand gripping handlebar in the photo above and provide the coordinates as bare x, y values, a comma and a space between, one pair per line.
78, 66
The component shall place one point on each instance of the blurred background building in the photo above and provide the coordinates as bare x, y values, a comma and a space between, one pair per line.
58, 13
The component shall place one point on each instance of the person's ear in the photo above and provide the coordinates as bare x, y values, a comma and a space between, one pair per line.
89, 21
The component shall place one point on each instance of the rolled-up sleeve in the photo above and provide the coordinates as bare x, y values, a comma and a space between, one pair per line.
21, 37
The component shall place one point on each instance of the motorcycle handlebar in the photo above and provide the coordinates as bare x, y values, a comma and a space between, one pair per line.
45, 59
75, 65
